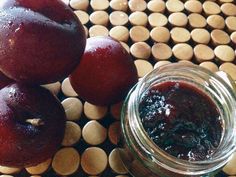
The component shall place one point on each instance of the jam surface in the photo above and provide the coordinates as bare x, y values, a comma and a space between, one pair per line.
181, 120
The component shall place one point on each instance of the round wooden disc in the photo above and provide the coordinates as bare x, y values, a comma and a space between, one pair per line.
143, 67
73, 108
139, 34
160, 34
174, 6
83, 16
55, 87
219, 37
98, 30
210, 66
72, 134
119, 33
216, 22
203, 53
40, 168
140, 50
229, 168
156, 6
67, 88
9, 170
114, 132
157, 19
137, 5
116, 110
79, 4
178, 19
193, 6
211, 8
118, 18
138, 18
92, 165
125, 45
230, 69
116, 163
99, 18
99, 5
229, 9
180, 35
183, 51
231, 23
161, 63
161, 51
197, 20
224, 53
233, 37
94, 112
200, 35
119, 5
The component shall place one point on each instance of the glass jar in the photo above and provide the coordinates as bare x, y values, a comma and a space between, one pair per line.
141, 155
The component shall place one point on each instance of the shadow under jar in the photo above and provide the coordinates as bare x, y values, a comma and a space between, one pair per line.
195, 118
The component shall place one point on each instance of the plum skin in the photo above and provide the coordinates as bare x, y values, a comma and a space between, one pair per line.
41, 41
24, 144
106, 72
4, 81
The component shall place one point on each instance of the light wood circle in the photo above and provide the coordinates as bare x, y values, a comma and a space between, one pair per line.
118, 18
161, 63
114, 132
79, 4
119, 5
229, 168
174, 6
116, 110
116, 163
160, 34
94, 112
224, 53
137, 5
210, 66
233, 37
94, 133
216, 21
211, 8
193, 6
72, 134
201, 36
139, 33
220, 37
203, 53
178, 19
157, 19
83, 16
230, 69
99, 18
229, 9
161, 51
140, 50
99, 5
138, 18
197, 20
55, 87
156, 6
9, 170
67, 89
120, 33
91, 165
183, 51
225, 1
143, 67
98, 30
231, 23
40, 168
66, 161
73, 108
125, 45
180, 35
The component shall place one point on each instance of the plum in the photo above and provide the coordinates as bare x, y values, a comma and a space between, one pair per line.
32, 125
4, 81
106, 72
41, 40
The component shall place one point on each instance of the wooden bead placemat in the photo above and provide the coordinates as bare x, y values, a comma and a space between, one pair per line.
155, 32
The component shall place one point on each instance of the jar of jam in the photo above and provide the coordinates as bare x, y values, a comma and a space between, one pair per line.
179, 120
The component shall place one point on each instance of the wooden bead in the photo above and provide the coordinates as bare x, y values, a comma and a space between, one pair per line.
229, 168
94, 133
233, 37
156, 6
143, 67
67, 88
174, 6
183, 51
157, 19
203, 53
224, 53
161, 51
99, 18
180, 35
193, 6
160, 34
216, 21
94, 160
231, 23
201, 36
86, 31
114, 132
229, 9
161, 63
225, 1
55, 87
125, 45
119, 33
118, 18
83, 16
116, 163
219, 37
62, 158
99, 4
9, 170
230, 69
94, 112
137, 5
40, 168
139, 34
98, 30
79, 4
73, 108
138, 18
178, 19
140, 50
72, 134
210, 66
121, 5
211, 8
116, 110
197, 20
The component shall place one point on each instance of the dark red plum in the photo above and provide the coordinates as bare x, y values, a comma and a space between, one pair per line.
4, 81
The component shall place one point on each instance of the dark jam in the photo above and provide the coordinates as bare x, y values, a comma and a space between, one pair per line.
181, 120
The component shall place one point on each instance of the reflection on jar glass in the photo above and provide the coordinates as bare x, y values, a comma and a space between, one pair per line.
213, 104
